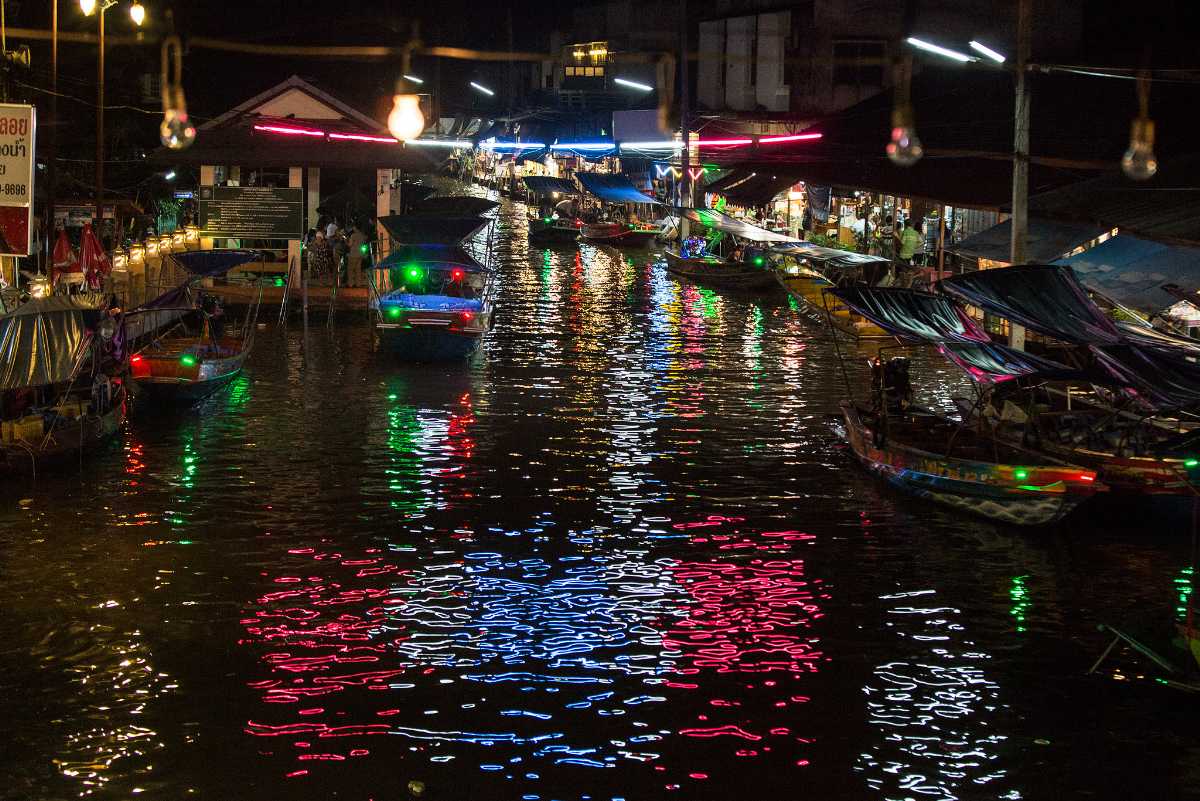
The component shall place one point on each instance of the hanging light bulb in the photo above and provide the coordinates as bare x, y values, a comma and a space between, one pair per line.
137, 12
904, 149
1139, 161
176, 131
406, 121
88, 7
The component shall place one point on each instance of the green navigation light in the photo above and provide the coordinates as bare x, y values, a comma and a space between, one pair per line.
1020, 475
758, 260
187, 360
1191, 463
364, 248
413, 272
278, 282
394, 312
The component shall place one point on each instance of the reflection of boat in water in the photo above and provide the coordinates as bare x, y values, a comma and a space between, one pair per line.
433, 300
732, 255
196, 357
551, 221
806, 271
54, 410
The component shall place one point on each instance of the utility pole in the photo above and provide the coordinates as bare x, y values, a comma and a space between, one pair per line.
685, 186
100, 128
1020, 180
52, 155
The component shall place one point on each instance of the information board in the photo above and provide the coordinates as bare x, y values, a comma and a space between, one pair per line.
251, 212
18, 125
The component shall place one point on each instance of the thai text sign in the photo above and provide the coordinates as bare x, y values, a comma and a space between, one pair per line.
251, 212
18, 124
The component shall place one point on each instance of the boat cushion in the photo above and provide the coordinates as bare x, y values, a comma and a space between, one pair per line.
430, 302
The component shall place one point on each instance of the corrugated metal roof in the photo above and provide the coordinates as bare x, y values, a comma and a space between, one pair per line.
1046, 241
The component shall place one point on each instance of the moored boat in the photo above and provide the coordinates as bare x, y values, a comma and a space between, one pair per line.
621, 226
550, 220
731, 255
808, 271
719, 272
618, 234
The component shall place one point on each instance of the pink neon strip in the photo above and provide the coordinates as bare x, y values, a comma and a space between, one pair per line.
363, 138
766, 140
283, 130
703, 142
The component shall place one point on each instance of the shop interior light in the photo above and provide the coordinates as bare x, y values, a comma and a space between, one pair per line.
641, 87
481, 88
930, 47
979, 47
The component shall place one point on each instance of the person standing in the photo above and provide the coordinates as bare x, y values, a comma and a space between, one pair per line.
909, 242
355, 256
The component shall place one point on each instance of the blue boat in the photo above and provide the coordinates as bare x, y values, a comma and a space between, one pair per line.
433, 301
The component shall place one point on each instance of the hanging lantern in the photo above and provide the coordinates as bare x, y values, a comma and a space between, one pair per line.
137, 255
176, 130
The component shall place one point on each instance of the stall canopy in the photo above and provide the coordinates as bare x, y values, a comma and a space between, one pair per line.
1134, 272
723, 222
1046, 241
200, 263
613, 188
760, 189
453, 206
1044, 298
545, 185
450, 255
432, 230
912, 315
40, 341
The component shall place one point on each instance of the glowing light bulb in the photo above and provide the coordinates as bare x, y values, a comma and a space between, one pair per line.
137, 12
406, 121
176, 130
904, 150
1139, 161
88, 7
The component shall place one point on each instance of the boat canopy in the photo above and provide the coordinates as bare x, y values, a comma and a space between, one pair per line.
545, 185
991, 363
613, 188
432, 229
454, 206
1142, 275
1168, 378
912, 315
1044, 298
832, 257
40, 340
449, 255
202, 263
723, 222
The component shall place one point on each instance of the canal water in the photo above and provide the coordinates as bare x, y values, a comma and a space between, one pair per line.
619, 555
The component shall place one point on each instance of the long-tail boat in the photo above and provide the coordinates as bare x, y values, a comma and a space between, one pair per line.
808, 271
433, 300
199, 354
60, 392
621, 199
730, 255
548, 225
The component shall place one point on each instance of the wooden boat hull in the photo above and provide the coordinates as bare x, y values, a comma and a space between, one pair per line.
66, 441
808, 288
981, 488
164, 379
419, 344
617, 235
541, 234
720, 273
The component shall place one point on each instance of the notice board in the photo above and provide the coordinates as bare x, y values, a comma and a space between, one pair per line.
251, 212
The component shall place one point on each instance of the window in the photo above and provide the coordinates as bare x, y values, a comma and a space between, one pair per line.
858, 62
599, 72
570, 72
589, 72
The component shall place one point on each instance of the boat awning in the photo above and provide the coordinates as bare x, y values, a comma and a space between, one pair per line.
827, 256
912, 315
992, 363
759, 190
1168, 378
723, 222
201, 263
418, 229
449, 255
40, 340
1142, 275
545, 185
1044, 298
1046, 241
613, 188
454, 206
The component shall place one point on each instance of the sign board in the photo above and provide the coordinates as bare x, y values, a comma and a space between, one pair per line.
18, 124
251, 212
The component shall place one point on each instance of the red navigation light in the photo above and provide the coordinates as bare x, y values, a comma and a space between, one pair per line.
466, 316
1086, 477
456, 275
135, 359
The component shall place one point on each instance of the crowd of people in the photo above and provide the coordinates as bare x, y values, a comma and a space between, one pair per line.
336, 255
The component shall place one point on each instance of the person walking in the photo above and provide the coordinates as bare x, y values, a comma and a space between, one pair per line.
355, 256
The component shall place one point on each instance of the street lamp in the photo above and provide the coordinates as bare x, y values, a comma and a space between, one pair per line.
137, 13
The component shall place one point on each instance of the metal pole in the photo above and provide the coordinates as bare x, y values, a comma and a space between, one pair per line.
1020, 182
685, 192
100, 130
52, 149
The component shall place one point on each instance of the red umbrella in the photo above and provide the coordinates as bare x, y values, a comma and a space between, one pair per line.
64, 258
92, 258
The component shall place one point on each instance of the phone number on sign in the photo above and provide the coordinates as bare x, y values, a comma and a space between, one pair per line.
12, 189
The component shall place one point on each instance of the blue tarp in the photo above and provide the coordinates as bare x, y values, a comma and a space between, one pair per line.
613, 188
545, 185
214, 262
1134, 271
407, 300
